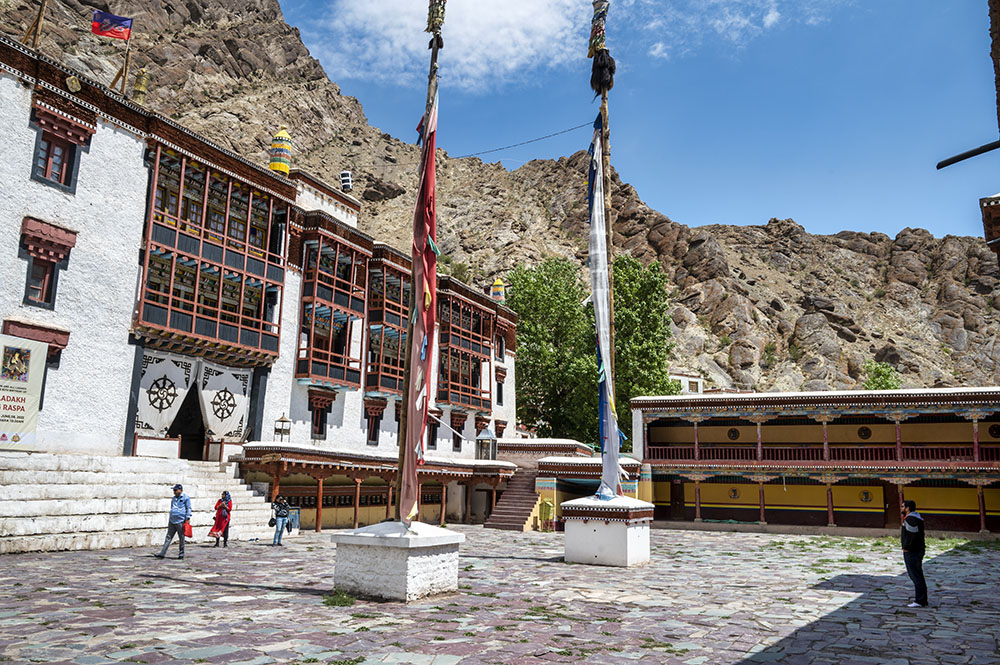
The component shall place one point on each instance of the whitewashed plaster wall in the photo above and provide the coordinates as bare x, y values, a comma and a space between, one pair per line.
281, 379
508, 410
638, 435
309, 198
86, 397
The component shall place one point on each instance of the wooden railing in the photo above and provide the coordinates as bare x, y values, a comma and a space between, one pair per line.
814, 453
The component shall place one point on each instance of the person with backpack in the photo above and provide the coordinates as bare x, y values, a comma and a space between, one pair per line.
279, 518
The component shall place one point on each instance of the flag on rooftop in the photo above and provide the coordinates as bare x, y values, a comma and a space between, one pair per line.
109, 25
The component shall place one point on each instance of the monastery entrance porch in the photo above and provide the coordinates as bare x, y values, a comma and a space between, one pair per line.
338, 489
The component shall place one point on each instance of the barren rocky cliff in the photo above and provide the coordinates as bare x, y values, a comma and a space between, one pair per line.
769, 307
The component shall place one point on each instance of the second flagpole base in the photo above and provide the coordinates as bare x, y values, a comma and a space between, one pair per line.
607, 533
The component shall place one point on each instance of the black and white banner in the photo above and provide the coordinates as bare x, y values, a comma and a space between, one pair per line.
164, 383
224, 394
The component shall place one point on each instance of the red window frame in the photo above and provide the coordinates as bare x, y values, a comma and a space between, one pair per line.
40, 281
54, 159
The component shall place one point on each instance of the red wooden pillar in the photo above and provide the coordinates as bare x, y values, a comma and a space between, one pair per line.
829, 505
982, 509
357, 500
899, 453
444, 499
319, 504
275, 482
420, 498
899, 491
493, 498
760, 444
697, 448
760, 494
468, 503
826, 442
697, 500
975, 443
388, 498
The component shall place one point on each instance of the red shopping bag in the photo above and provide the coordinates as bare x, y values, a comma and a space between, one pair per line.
188, 533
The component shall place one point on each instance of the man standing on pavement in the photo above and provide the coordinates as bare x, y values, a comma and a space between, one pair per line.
911, 535
180, 513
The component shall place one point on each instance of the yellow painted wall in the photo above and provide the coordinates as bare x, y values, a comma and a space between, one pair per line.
718, 495
992, 499
955, 500
848, 497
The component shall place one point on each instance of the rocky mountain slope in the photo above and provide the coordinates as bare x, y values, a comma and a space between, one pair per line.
768, 307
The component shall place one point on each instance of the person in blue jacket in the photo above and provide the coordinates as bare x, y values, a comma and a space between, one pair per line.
180, 514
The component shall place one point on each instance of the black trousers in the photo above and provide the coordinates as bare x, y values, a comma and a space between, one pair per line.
225, 535
915, 569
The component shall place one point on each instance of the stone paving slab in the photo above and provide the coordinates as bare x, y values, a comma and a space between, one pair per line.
707, 598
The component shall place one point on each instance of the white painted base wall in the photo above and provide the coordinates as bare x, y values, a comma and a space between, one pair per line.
611, 539
390, 562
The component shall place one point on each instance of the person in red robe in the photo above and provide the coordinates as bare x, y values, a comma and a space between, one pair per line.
223, 508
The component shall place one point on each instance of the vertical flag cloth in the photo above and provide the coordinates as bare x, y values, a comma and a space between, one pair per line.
601, 298
424, 315
109, 25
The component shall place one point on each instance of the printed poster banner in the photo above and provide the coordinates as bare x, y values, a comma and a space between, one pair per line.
225, 401
22, 373
163, 385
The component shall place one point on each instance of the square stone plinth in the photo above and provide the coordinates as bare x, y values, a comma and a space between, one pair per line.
611, 532
393, 562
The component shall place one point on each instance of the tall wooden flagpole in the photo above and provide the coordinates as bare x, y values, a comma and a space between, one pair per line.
435, 21
35, 29
602, 79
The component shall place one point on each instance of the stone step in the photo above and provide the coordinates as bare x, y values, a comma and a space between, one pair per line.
12, 460
26, 477
23, 526
137, 491
118, 539
120, 505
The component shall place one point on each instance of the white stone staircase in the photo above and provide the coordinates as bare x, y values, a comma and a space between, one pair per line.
75, 502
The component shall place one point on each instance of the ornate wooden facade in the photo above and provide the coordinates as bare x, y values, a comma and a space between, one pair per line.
213, 260
826, 458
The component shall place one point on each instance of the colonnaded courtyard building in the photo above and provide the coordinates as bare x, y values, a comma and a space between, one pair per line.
208, 317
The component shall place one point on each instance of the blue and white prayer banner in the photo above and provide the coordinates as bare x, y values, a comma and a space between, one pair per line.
601, 299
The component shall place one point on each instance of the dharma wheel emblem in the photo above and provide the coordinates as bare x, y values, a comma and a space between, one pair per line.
223, 404
734, 493
733, 434
162, 394
995, 431
865, 496
864, 433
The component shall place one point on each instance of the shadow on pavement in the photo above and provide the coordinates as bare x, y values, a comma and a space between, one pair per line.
236, 585
962, 624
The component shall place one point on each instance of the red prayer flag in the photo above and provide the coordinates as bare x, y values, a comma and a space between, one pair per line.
109, 25
424, 314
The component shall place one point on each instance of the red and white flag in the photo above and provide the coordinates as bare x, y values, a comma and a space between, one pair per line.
424, 286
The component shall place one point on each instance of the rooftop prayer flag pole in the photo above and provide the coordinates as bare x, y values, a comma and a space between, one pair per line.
34, 31
423, 294
116, 27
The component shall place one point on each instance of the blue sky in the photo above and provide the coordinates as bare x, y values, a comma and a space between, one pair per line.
831, 112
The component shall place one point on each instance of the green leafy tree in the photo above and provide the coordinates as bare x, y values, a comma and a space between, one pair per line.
556, 350
642, 336
881, 376
556, 358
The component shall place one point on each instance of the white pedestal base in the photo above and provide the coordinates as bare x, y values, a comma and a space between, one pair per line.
607, 533
389, 561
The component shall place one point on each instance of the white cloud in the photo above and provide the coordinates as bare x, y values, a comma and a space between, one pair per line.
486, 41
494, 42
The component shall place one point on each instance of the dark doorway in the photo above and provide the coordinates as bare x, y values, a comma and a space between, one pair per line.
676, 499
189, 426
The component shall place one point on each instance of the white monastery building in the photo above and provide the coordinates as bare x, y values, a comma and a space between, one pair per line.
198, 306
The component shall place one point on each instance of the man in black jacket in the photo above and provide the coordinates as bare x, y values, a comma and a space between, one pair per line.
911, 536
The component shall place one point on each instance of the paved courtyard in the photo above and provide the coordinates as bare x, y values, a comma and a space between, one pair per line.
708, 597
